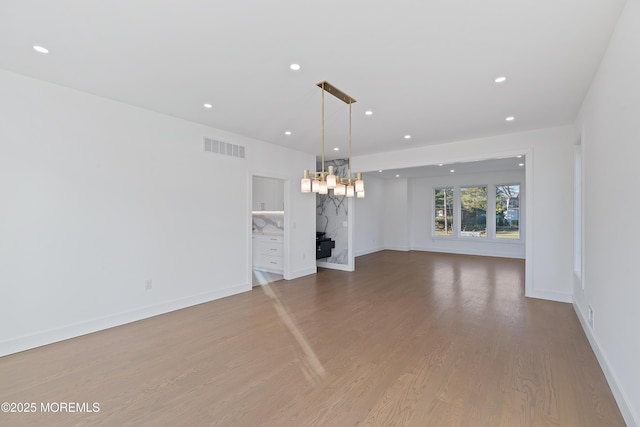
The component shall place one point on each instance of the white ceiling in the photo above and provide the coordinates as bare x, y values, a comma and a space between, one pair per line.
466, 168
425, 68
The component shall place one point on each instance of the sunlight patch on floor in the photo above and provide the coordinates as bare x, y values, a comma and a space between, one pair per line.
311, 366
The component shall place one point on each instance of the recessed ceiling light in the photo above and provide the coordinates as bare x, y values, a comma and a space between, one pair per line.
407, 137
520, 164
440, 164
397, 176
368, 112
519, 157
294, 67
500, 79
510, 118
452, 170
288, 132
380, 170
336, 149
41, 49
207, 106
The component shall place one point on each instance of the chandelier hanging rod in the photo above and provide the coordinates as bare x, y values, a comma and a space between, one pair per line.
328, 87
322, 180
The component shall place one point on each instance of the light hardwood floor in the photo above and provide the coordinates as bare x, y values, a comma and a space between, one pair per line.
409, 339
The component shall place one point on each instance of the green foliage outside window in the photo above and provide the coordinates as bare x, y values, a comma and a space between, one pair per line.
443, 214
473, 210
508, 211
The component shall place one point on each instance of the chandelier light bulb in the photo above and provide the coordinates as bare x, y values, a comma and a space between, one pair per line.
315, 186
359, 183
331, 179
305, 184
323, 188
350, 191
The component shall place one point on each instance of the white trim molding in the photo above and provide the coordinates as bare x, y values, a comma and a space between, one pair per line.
71, 331
632, 420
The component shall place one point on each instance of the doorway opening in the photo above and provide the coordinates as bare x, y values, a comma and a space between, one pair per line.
268, 230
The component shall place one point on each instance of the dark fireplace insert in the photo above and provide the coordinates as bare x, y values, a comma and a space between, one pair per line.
323, 245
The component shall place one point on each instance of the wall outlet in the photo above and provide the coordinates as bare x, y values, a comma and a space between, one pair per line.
590, 316
148, 284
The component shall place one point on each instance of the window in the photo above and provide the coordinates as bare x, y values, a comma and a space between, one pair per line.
443, 211
508, 211
489, 213
473, 211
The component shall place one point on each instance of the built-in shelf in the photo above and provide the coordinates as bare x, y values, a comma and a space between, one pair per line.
268, 253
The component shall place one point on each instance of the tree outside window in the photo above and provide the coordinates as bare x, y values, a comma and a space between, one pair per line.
473, 212
443, 211
508, 211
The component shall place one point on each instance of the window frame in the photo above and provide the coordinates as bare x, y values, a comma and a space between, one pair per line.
491, 234
495, 219
486, 218
454, 224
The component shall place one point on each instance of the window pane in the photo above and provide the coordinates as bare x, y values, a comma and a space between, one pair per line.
473, 210
443, 203
508, 211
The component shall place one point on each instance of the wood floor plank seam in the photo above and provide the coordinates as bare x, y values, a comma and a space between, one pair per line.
408, 339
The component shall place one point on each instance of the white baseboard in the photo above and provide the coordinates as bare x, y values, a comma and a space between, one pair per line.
51, 336
483, 252
630, 418
367, 251
439, 250
551, 295
301, 273
333, 266
397, 248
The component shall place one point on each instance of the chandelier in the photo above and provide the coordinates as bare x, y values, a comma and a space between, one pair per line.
322, 181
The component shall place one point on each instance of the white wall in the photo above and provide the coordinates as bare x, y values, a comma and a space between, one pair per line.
268, 194
422, 217
96, 197
369, 226
610, 128
548, 195
395, 214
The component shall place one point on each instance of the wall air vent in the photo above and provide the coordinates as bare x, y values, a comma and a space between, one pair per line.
224, 148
